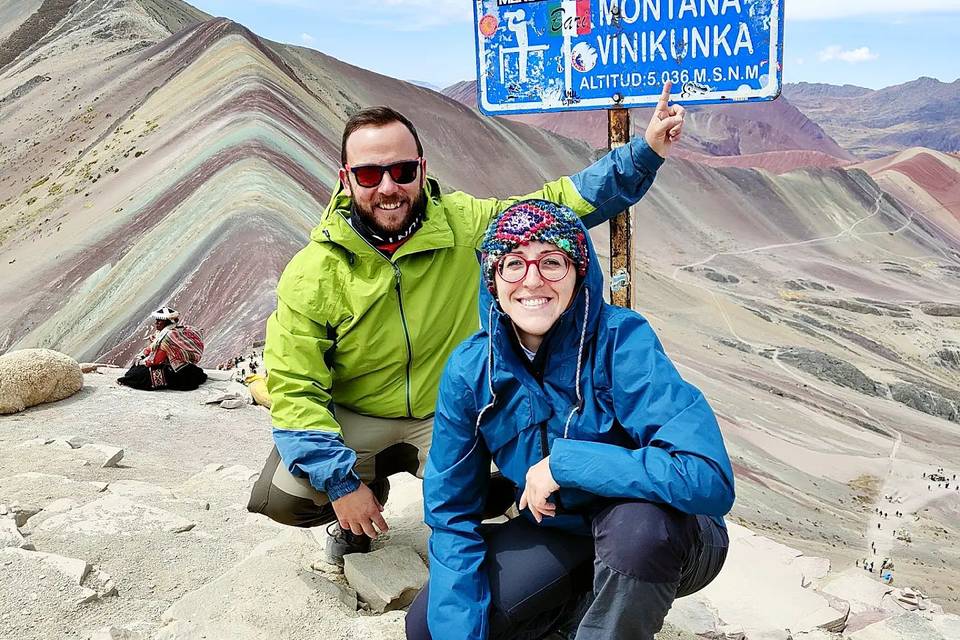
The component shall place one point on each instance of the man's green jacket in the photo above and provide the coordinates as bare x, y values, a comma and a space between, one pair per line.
373, 334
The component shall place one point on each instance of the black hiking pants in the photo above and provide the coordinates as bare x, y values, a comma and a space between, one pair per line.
615, 585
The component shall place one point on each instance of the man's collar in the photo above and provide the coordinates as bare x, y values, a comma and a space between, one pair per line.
435, 232
377, 239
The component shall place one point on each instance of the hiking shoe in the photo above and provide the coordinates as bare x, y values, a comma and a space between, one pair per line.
340, 543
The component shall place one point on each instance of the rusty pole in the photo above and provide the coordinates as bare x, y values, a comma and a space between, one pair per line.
621, 227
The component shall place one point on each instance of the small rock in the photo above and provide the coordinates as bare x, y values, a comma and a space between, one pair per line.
21, 513
115, 633
74, 442
109, 455
114, 515
87, 596
233, 403
73, 568
10, 535
388, 578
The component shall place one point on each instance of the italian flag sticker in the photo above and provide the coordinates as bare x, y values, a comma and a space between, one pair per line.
570, 17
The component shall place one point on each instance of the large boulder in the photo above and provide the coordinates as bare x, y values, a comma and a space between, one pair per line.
33, 376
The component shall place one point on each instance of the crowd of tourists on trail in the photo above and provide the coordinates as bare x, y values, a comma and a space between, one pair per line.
561, 406
940, 478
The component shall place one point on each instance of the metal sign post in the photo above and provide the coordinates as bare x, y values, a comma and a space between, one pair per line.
621, 227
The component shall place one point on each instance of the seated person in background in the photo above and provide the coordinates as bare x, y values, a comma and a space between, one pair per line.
170, 360
621, 471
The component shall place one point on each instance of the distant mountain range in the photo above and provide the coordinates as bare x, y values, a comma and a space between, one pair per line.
843, 122
872, 124
718, 131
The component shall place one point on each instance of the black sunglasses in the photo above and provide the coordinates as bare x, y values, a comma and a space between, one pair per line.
371, 175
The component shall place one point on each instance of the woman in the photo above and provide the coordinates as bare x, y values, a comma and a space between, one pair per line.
170, 360
618, 461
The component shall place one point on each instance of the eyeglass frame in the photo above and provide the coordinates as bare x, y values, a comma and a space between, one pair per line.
527, 263
384, 169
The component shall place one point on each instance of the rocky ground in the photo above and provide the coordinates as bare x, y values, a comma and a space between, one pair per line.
123, 516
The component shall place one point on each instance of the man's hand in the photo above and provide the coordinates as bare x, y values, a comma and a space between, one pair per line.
540, 484
359, 512
666, 125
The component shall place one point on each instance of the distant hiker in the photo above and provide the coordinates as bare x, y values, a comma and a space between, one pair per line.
368, 312
170, 360
621, 471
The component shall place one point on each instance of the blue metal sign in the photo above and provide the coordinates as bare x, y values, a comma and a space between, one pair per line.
560, 55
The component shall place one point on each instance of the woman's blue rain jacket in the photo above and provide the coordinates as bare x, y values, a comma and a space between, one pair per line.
612, 412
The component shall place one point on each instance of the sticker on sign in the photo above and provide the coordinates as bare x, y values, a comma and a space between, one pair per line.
561, 55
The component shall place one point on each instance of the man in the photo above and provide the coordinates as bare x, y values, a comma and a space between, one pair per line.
368, 312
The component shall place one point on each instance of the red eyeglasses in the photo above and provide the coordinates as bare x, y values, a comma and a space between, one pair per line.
552, 266
371, 175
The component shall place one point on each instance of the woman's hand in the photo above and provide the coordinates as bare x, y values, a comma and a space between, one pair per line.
666, 125
540, 484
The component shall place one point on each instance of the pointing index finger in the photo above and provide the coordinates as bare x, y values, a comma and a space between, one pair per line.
664, 101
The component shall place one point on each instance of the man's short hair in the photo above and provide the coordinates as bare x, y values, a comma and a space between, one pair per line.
375, 117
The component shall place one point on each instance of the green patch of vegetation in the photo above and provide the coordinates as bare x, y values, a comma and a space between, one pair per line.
31, 201
39, 183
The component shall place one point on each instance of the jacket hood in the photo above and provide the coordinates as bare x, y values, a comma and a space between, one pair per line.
569, 338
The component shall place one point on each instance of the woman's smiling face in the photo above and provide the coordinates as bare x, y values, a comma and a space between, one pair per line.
534, 303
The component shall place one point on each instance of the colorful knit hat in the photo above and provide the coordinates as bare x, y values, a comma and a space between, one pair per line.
533, 221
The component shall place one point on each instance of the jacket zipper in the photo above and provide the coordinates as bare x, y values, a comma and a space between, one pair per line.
403, 317
406, 335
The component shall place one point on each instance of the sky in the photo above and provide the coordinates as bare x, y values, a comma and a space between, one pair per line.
869, 43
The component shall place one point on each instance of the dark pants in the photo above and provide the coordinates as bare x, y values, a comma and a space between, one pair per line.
187, 378
619, 583
270, 498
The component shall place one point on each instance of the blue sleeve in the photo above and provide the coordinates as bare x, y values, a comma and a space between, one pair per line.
454, 492
680, 457
321, 457
617, 180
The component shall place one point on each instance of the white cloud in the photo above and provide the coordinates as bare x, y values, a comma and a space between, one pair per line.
836, 52
307, 39
828, 9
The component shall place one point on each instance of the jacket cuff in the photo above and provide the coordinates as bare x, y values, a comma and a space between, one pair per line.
337, 490
564, 459
644, 157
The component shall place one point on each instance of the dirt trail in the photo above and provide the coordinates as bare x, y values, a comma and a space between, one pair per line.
878, 539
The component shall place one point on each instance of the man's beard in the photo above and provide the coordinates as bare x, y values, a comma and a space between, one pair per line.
370, 221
